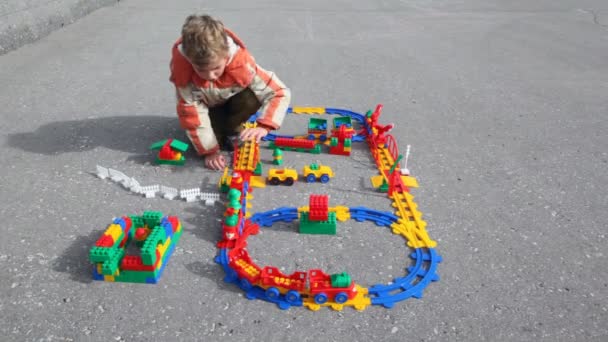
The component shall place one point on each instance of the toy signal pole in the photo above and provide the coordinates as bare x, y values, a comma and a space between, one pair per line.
405, 170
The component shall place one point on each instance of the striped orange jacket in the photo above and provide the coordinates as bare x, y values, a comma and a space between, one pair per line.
195, 95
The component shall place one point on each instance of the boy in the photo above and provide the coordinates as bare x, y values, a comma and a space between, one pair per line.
219, 86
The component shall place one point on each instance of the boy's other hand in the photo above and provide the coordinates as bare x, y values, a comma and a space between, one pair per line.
215, 161
255, 133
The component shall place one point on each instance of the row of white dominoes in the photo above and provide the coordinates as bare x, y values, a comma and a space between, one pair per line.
150, 191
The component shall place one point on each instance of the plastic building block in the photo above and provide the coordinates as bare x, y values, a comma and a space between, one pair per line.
293, 144
150, 191
170, 151
111, 263
190, 195
308, 226
277, 156
319, 208
168, 192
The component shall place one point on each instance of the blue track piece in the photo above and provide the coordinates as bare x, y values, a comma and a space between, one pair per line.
222, 259
357, 138
380, 218
413, 284
256, 292
268, 218
344, 112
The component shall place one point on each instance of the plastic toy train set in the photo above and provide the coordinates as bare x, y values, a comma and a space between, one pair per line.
313, 288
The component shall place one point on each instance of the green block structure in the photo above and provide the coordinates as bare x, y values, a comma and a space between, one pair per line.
318, 227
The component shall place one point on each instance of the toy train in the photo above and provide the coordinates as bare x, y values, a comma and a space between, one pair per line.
322, 287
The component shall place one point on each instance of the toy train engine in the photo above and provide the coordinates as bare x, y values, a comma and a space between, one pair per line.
324, 287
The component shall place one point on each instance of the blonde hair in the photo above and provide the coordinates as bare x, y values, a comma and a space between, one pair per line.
203, 39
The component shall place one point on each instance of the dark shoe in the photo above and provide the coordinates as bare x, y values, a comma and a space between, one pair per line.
226, 144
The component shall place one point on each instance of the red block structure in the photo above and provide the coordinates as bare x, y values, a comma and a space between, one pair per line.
319, 208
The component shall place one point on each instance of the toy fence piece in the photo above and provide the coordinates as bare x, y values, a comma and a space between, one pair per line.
102, 172
135, 186
168, 192
190, 194
126, 182
210, 197
116, 175
150, 190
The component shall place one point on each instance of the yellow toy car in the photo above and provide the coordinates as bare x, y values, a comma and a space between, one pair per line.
313, 172
285, 176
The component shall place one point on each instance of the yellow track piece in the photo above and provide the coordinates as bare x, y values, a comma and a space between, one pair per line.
308, 110
410, 223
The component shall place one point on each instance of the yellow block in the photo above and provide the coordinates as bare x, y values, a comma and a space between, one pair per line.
257, 182
114, 230
342, 213
163, 248
108, 278
409, 181
377, 181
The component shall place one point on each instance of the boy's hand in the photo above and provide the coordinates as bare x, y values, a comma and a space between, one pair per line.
255, 133
215, 161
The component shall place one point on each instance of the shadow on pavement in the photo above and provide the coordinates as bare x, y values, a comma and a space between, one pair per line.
75, 259
133, 134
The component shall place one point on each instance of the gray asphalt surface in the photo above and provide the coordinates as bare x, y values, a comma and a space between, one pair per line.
504, 104
25, 21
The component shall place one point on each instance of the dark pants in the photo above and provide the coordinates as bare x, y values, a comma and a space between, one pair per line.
227, 119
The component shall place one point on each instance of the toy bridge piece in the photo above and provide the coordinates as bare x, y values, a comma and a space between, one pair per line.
170, 151
318, 219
